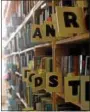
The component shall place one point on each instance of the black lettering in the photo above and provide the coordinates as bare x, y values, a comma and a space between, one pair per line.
37, 33
72, 20
30, 77
74, 85
53, 80
38, 81
25, 75
50, 30
87, 91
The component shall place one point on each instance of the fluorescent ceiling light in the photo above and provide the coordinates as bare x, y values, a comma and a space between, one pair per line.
42, 6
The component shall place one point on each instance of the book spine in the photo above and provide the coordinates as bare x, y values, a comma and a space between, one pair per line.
49, 65
70, 64
65, 65
82, 64
76, 65
87, 66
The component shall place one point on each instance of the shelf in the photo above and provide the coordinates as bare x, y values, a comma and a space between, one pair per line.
78, 104
74, 39
26, 50
62, 96
17, 73
25, 21
43, 45
23, 51
22, 100
63, 41
11, 54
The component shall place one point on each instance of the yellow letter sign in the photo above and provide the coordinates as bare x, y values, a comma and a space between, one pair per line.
70, 20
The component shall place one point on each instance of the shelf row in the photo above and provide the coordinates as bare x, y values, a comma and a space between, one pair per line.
69, 40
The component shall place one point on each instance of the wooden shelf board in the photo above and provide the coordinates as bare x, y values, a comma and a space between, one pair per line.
78, 104
22, 100
11, 54
43, 45
26, 50
62, 96
23, 51
63, 41
74, 39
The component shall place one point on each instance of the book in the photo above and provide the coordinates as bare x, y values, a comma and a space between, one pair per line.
20, 87
82, 64
37, 62
65, 64
27, 35
35, 100
46, 14
70, 64
42, 16
49, 10
38, 106
29, 96
24, 7
24, 90
87, 65
21, 43
31, 64
47, 64
23, 61
46, 103
76, 65
48, 107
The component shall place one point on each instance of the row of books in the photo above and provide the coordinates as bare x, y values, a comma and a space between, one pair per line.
42, 62
24, 40
27, 6
79, 65
45, 15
